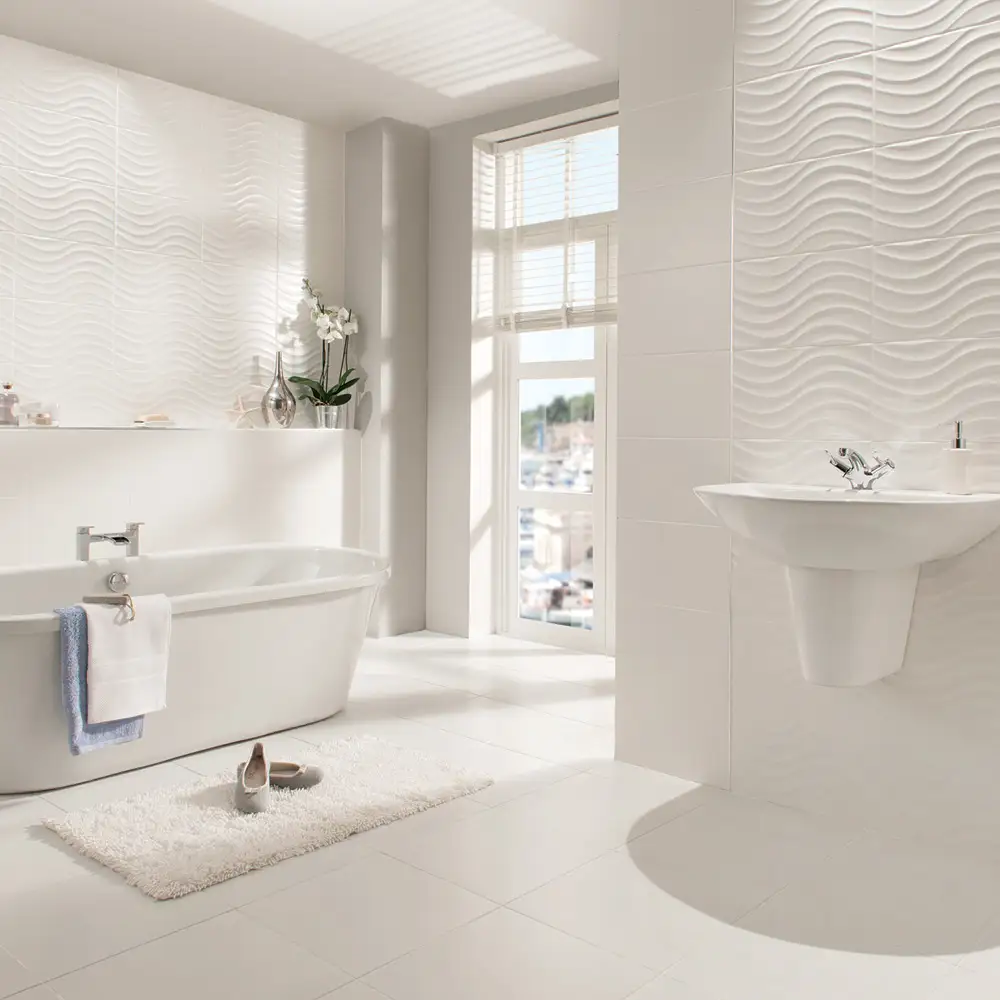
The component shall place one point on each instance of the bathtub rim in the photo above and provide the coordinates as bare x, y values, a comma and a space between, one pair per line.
217, 600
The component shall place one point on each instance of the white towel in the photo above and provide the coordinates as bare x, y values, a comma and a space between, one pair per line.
127, 663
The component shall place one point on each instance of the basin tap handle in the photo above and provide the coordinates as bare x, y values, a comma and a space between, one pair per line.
840, 463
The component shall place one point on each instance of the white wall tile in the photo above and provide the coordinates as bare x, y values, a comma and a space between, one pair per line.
6, 336
674, 48
155, 224
665, 312
157, 208
8, 198
938, 187
926, 385
674, 395
657, 477
897, 21
814, 300
56, 81
673, 714
677, 225
824, 392
64, 208
937, 288
675, 565
936, 85
777, 35
650, 154
74, 273
804, 207
8, 133
772, 460
759, 587
810, 113
52, 143
7, 244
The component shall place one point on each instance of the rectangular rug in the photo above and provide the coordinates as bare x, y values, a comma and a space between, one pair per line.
173, 841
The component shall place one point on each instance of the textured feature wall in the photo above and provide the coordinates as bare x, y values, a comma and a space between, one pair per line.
865, 239
153, 239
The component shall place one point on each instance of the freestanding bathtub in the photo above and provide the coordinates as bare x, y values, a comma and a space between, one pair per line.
265, 637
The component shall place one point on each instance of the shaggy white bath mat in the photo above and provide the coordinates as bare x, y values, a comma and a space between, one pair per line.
177, 840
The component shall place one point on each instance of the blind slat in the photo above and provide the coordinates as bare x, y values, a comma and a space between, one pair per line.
557, 229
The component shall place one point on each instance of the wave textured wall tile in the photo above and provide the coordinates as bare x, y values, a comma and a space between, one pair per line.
898, 21
773, 36
152, 212
810, 113
945, 83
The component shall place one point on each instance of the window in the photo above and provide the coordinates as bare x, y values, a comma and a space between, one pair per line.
555, 308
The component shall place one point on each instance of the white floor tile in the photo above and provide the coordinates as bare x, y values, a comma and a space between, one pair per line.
612, 905
963, 984
37, 993
120, 786
20, 812
230, 955
668, 988
367, 914
355, 991
91, 918
518, 846
38, 859
730, 855
734, 964
14, 977
382, 837
505, 955
886, 897
549, 737
514, 774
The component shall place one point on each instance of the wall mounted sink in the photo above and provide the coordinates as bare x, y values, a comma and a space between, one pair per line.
853, 560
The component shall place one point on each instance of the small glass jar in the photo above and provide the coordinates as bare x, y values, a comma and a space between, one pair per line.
8, 406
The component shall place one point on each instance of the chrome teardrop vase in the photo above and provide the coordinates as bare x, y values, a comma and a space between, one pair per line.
278, 403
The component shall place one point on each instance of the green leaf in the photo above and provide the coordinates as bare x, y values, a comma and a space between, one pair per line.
346, 384
340, 400
310, 382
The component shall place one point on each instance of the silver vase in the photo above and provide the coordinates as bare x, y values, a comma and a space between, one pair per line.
331, 417
278, 403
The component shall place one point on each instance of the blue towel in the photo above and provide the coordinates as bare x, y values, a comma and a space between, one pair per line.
74, 651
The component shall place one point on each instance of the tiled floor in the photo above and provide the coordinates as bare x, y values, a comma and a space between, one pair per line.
572, 877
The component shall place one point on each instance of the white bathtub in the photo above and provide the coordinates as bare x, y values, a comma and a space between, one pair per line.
265, 637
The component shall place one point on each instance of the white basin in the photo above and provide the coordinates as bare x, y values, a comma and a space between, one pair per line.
853, 561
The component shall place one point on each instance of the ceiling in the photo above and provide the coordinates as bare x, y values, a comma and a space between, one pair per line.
342, 62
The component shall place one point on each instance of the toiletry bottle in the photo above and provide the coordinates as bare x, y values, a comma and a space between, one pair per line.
8, 406
957, 459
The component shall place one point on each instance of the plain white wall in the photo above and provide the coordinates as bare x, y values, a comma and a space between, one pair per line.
386, 280
462, 382
864, 311
192, 488
153, 241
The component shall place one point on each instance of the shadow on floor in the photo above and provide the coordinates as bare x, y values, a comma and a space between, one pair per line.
780, 873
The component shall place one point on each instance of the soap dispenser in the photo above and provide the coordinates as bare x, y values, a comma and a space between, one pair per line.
957, 459
8, 406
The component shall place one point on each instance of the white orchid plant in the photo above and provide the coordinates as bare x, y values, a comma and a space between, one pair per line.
332, 323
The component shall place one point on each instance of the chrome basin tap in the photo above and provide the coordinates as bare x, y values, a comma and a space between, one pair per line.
85, 537
857, 470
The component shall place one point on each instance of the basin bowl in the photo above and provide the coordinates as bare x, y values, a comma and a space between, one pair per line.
852, 562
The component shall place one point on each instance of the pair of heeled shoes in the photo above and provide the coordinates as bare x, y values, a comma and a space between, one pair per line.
257, 776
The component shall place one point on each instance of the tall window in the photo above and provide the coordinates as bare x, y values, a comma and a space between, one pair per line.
556, 309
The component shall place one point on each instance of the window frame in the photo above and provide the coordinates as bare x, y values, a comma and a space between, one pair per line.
511, 496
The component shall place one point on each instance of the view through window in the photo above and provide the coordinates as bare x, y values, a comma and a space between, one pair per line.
556, 307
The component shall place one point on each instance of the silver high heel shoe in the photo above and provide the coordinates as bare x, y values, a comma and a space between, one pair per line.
253, 790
